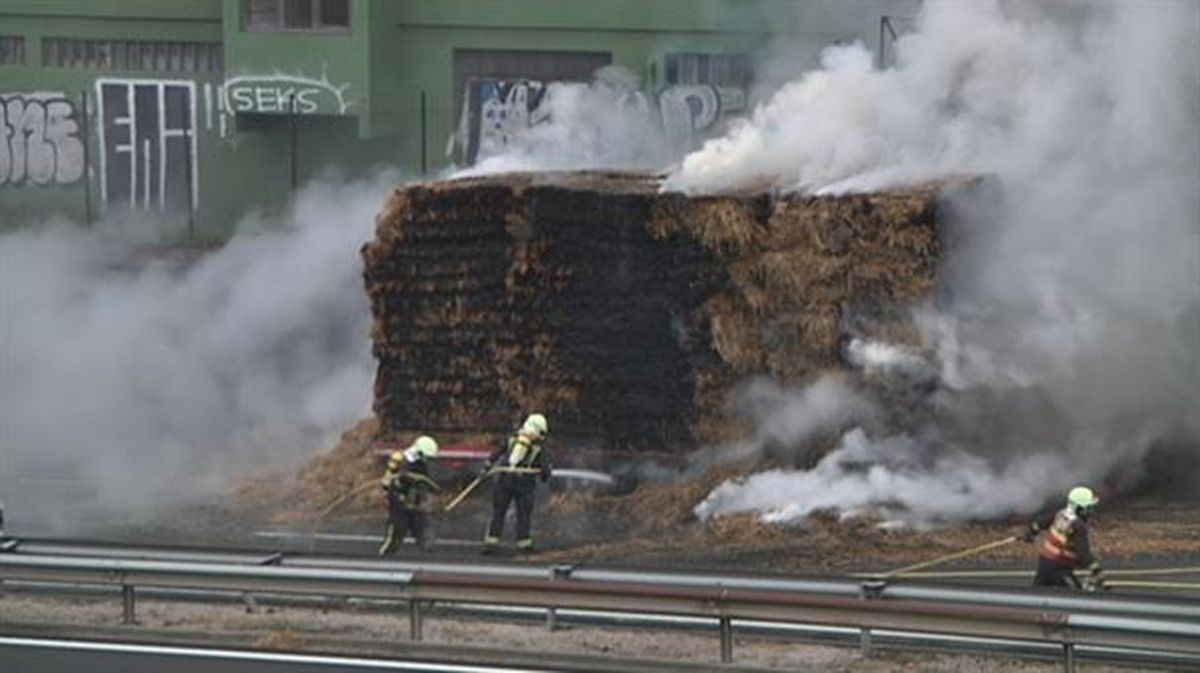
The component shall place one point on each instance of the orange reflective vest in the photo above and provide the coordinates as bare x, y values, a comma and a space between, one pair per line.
1066, 540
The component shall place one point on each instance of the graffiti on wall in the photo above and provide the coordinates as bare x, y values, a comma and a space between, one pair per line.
495, 112
147, 143
39, 139
272, 94
505, 109
688, 112
283, 94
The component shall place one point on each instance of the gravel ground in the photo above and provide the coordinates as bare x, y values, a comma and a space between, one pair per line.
292, 628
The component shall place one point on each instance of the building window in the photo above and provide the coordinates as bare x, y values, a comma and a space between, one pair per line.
132, 55
299, 15
12, 50
732, 70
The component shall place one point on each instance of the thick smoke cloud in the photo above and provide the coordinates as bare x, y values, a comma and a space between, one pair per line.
133, 374
602, 124
1066, 334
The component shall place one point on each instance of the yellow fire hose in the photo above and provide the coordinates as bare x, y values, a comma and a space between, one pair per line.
1116, 572
948, 557
312, 537
479, 480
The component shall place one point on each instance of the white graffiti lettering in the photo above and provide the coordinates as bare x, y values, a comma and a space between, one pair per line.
496, 111
689, 111
148, 143
506, 108
39, 139
285, 94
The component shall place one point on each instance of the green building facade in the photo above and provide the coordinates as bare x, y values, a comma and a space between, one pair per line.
200, 110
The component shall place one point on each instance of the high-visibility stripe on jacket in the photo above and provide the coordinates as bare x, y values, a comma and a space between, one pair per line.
1066, 540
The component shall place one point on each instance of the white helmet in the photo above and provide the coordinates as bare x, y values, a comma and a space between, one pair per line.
426, 446
535, 425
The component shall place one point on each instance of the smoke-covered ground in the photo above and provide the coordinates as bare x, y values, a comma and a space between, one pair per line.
134, 373
1065, 340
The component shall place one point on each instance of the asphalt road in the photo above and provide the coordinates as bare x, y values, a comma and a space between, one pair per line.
30, 655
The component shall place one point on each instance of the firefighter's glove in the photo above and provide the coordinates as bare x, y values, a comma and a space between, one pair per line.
1032, 533
545, 473
385, 484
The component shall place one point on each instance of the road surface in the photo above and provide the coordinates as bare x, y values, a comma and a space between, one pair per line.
35, 655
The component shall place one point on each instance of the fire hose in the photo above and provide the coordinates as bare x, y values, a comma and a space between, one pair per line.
312, 538
912, 571
1115, 572
944, 559
479, 480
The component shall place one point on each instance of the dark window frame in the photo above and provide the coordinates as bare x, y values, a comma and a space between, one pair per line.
12, 50
704, 67
157, 56
316, 12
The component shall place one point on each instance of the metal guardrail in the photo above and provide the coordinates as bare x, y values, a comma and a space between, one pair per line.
1106, 603
1089, 621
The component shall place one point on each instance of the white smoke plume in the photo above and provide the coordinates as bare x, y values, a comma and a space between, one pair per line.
785, 420
130, 377
603, 124
1066, 334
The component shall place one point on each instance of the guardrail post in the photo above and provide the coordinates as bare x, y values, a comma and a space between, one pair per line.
557, 572
128, 601
869, 591
414, 620
726, 640
864, 643
1069, 657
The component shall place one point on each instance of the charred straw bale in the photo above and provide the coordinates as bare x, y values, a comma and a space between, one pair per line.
625, 313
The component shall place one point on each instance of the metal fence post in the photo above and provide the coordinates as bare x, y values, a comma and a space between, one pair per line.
1069, 657
128, 601
873, 589
726, 640
414, 620
864, 643
557, 572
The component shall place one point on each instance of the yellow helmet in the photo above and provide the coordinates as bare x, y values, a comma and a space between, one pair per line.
426, 445
536, 425
1082, 496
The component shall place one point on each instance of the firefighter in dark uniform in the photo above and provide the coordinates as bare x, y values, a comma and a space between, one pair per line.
407, 486
519, 462
1064, 546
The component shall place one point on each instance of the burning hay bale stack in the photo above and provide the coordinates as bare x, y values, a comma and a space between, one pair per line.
494, 297
799, 270
626, 314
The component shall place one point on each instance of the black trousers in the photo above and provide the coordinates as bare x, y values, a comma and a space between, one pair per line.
1051, 574
509, 488
403, 520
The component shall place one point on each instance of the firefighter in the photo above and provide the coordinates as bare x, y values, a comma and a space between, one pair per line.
1065, 547
519, 461
407, 486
